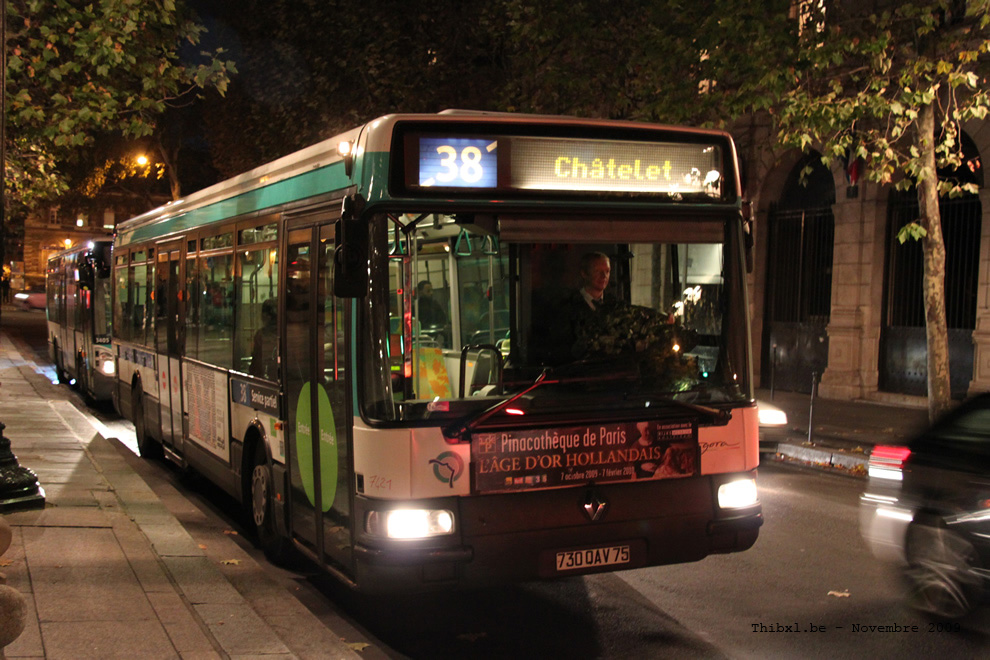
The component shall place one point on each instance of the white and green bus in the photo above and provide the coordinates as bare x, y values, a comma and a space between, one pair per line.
378, 345
77, 287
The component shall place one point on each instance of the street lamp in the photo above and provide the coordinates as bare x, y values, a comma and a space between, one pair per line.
68, 243
141, 160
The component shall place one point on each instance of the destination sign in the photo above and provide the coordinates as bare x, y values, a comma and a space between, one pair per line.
522, 163
545, 458
458, 162
256, 396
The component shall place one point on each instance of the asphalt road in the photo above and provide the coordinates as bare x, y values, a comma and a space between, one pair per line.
808, 589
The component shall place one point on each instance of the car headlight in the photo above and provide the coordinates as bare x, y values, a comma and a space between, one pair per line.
771, 415
738, 494
410, 523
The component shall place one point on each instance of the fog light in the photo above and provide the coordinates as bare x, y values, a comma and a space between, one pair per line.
737, 494
410, 523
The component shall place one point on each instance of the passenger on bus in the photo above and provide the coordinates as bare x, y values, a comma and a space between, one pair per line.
431, 317
264, 352
431, 313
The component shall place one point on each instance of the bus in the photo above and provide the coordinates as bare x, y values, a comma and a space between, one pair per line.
77, 287
272, 332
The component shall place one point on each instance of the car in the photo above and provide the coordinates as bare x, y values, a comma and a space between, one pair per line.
32, 298
771, 416
773, 424
927, 509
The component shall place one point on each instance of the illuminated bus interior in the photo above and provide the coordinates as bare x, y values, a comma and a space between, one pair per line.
481, 307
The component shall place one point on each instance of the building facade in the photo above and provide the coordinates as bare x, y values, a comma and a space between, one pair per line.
55, 228
837, 299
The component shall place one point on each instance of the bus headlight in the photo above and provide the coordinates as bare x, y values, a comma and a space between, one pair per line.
410, 523
737, 494
105, 363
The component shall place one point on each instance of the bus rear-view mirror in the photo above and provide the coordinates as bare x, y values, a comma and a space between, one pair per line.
350, 259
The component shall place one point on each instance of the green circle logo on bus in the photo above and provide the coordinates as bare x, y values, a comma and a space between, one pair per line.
328, 446
447, 467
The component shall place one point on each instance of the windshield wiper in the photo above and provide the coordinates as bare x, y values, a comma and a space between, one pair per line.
457, 433
715, 416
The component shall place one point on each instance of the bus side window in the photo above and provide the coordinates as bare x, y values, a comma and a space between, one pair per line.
192, 303
138, 280
122, 305
256, 331
217, 319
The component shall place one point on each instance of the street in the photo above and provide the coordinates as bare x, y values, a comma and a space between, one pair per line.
809, 588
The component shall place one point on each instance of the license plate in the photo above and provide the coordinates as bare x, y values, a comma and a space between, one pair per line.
571, 560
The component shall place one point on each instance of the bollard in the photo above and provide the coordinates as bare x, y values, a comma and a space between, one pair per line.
13, 607
773, 368
19, 487
811, 408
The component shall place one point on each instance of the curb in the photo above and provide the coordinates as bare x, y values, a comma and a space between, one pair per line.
853, 464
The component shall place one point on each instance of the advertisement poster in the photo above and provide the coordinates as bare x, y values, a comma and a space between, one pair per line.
545, 458
206, 401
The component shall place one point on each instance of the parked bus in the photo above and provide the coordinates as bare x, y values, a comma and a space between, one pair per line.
373, 344
77, 284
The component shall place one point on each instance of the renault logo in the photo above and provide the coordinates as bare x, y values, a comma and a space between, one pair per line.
594, 505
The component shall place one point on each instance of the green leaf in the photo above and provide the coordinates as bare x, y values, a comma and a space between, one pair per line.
911, 231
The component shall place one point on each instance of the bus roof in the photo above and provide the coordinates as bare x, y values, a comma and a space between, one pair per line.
85, 246
323, 169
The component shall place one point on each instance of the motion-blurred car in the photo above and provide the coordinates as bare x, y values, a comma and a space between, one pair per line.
771, 417
927, 507
773, 421
33, 298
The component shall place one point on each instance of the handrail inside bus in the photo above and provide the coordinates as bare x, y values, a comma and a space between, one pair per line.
479, 348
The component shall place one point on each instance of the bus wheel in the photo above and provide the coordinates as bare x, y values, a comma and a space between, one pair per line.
148, 447
274, 545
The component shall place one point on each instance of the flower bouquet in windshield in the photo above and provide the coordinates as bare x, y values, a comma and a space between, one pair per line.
652, 338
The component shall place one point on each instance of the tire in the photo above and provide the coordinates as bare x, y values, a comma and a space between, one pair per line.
940, 572
261, 509
148, 447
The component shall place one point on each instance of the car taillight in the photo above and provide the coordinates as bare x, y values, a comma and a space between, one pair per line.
887, 462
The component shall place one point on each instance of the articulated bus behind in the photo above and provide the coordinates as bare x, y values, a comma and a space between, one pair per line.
79, 312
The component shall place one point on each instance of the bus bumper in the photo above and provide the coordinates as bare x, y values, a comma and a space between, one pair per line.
103, 386
500, 543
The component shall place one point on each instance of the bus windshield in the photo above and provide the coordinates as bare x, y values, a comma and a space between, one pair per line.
548, 314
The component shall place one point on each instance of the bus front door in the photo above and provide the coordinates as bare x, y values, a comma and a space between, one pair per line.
316, 385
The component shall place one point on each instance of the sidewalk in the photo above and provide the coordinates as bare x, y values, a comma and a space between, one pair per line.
107, 569
843, 432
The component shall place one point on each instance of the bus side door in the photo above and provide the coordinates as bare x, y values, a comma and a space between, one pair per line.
169, 320
316, 378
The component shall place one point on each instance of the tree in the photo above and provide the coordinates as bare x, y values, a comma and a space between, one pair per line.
125, 170
667, 61
309, 69
892, 83
76, 70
